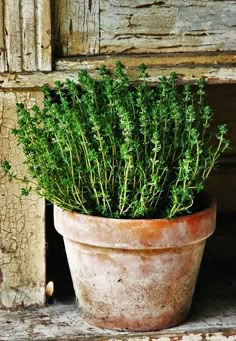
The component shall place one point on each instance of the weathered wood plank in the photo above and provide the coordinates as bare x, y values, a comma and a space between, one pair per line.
2, 40
25, 35
44, 35
150, 60
76, 26
143, 26
13, 42
22, 239
31, 81
213, 318
28, 32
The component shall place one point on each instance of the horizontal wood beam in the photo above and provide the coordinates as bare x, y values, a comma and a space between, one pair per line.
214, 74
151, 60
217, 68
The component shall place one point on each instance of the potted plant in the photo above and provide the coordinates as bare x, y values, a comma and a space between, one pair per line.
124, 165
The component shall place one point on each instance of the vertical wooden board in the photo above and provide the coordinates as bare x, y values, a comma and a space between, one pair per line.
2, 38
43, 35
22, 236
142, 26
29, 49
13, 42
26, 35
76, 27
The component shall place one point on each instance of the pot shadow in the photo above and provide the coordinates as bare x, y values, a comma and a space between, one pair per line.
57, 268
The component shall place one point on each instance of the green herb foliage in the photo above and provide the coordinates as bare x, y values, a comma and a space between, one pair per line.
106, 147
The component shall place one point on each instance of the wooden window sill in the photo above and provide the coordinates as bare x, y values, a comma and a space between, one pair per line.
216, 67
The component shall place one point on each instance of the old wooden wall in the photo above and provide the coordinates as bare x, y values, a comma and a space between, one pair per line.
22, 265
41, 41
25, 35
25, 45
143, 26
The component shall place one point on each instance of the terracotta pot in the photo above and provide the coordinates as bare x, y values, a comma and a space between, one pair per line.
135, 275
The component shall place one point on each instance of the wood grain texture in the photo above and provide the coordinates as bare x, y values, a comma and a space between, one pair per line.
216, 68
25, 35
22, 238
76, 27
34, 80
212, 318
168, 60
142, 26
13, 41
28, 35
2, 40
44, 35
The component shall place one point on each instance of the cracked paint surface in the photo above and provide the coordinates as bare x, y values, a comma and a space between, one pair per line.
21, 220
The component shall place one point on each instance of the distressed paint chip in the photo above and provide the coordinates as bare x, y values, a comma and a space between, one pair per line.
22, 245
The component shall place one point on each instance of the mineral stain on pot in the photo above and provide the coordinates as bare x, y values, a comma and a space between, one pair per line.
153, 269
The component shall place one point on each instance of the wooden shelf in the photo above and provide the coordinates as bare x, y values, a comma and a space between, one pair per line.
212, 317
217, 68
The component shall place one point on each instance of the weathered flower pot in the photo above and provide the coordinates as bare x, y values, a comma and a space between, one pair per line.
135, 275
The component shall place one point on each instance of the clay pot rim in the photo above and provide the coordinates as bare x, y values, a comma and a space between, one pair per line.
211, 206
137, 233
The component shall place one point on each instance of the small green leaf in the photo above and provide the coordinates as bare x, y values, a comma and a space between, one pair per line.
6, 167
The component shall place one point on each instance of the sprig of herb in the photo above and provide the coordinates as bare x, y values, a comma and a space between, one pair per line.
106, 147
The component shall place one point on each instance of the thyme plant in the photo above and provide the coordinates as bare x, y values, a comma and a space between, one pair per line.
107, 147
